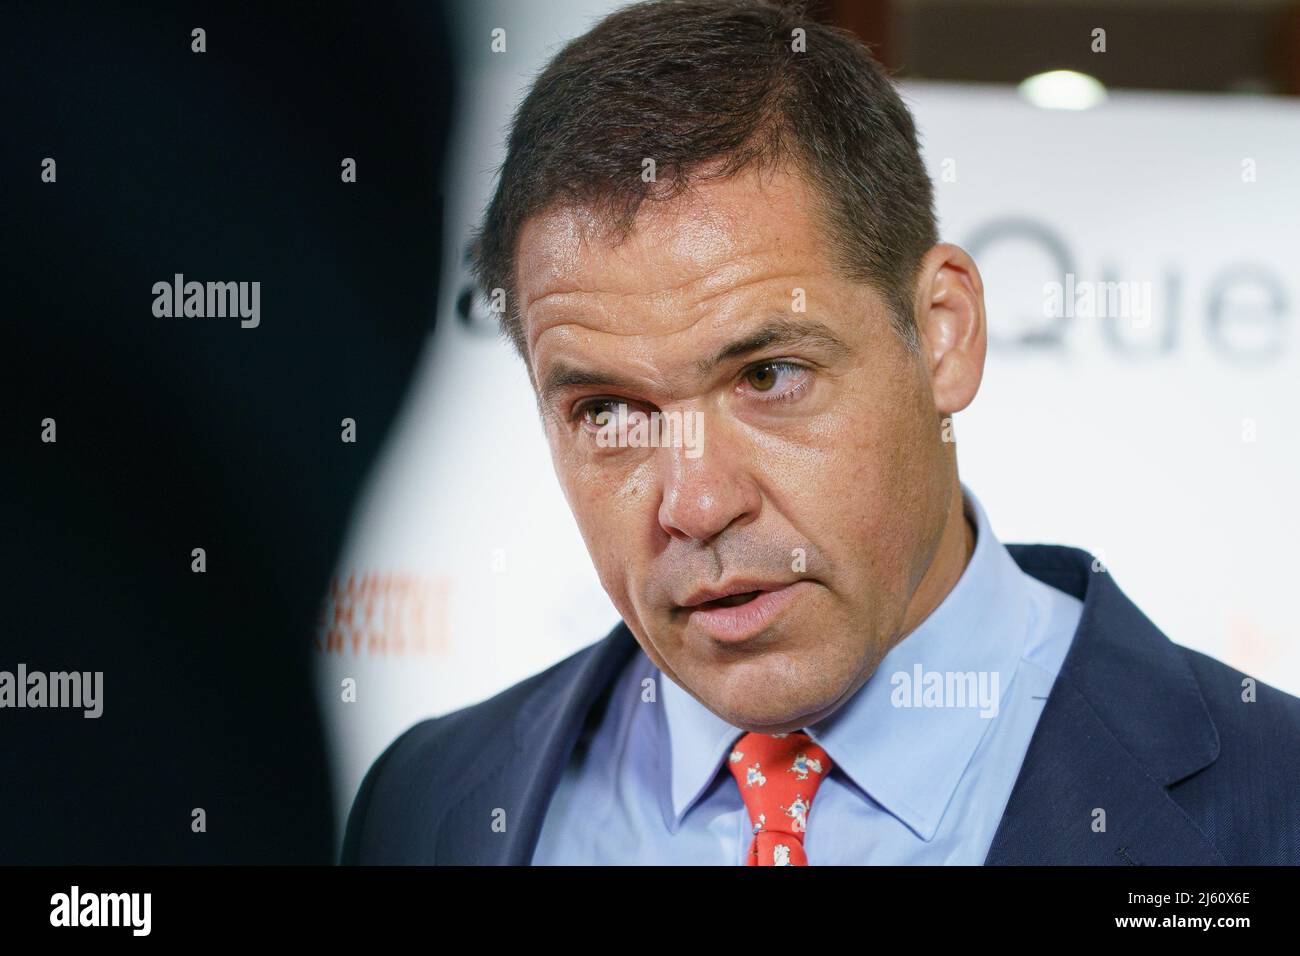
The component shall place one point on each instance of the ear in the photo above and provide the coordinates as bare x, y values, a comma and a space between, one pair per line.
950, 320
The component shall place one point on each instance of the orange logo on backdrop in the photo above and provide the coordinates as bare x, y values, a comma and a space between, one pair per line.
384, 615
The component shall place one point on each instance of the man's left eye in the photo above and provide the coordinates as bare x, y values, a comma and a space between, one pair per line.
764, 378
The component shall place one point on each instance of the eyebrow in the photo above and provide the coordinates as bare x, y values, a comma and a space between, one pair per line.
776, 332
563, 376
783, 332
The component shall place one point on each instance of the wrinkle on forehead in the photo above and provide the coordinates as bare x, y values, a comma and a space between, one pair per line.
680, 254
689, 266
604, 321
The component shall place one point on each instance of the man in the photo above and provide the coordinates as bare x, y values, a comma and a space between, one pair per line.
713, 220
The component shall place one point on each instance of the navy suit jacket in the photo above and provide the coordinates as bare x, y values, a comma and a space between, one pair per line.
1155, 734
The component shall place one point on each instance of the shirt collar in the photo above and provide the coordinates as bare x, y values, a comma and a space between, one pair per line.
909, 759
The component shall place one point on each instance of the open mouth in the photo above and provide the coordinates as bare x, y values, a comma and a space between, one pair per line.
732, 600
737, 618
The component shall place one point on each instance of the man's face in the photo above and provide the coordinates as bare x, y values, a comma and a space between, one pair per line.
821, 486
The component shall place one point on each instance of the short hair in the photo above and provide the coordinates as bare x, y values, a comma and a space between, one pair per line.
722, 84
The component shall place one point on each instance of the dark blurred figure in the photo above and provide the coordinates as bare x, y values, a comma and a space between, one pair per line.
182, 433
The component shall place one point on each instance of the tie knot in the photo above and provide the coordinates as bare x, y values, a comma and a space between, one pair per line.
778, 776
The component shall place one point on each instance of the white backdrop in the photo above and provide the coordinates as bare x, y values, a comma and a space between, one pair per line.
1163, 444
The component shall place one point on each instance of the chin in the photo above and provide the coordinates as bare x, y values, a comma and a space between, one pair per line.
766, 724
782, 693
774, 716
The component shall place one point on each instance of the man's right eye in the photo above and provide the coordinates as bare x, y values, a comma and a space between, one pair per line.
596, 413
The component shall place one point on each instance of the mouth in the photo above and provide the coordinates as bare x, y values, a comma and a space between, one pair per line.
735, 614
733, 600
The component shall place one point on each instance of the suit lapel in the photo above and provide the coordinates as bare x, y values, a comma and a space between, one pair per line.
1077, 777
1124, 721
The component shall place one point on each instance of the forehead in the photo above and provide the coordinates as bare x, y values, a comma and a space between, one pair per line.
749, 236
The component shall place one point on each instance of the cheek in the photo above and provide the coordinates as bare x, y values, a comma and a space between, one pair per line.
864, 491
900, 499
615, 510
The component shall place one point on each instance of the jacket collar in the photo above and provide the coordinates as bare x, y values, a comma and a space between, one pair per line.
1124, 720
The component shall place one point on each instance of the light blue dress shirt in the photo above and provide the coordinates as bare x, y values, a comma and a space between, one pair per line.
923, 769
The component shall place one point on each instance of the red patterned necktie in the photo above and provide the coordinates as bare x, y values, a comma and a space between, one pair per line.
778, 776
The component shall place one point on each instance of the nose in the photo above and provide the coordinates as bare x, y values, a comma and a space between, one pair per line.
705, 494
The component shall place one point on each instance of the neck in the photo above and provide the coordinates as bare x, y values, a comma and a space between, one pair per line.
956, 546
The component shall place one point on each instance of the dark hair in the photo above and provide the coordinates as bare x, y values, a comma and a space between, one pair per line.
718, 82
